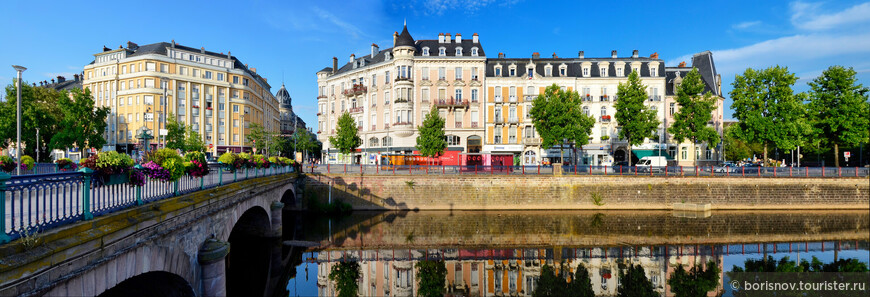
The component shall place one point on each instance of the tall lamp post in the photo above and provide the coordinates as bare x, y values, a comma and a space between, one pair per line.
19, 69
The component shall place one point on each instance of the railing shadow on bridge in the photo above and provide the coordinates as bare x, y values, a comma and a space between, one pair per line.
581, 170
37, 202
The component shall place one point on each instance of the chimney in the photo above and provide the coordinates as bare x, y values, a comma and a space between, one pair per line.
580, 54
61, 79
52, 81
654, 55
34, 84
555, 56
535, 55
395, 37
202, 50
173, 43
40, 84
634, 54
229, 55
474, 38
682, 64
440, 37
501, 55
132, 45
76, 77
458, 38
254, 70
613, 54
334, 64
352, 57
375, 50
447, 38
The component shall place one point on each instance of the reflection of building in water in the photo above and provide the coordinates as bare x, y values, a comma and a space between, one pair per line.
510, 272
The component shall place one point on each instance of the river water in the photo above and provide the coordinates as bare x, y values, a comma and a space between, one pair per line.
502, 253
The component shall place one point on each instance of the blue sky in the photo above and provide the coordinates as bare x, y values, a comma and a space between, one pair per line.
290, 40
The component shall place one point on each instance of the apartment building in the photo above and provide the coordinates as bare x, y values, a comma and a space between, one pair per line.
389, 91
214, 93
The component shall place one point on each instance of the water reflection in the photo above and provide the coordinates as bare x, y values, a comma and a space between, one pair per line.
501, 254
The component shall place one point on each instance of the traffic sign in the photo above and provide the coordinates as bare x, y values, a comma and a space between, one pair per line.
847, 154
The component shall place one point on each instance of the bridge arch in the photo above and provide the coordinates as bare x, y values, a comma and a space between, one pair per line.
152, 283
289, 198
249, 259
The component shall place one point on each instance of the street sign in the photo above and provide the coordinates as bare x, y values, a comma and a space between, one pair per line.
164, 132
847, 154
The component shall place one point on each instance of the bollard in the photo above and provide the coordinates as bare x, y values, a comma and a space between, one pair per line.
3, 178
86, 193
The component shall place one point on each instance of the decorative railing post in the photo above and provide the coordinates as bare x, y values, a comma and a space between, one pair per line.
175, 187
235, 175
56, 168
221, 176
139, 188
201, 183
87, 175
3, 178
247, 172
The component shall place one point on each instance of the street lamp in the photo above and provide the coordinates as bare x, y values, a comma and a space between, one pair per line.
19, 69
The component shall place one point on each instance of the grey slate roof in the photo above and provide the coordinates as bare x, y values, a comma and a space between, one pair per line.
404, 38
449, 48
704, 62
574, 66
283, 97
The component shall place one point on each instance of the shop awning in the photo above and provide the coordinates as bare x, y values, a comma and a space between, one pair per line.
646, 153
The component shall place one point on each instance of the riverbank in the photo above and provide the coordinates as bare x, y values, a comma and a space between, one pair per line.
413, 192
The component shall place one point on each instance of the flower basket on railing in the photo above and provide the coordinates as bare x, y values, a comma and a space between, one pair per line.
111, 168
228, 162
65, 164
27, 162
243, 161
260, 161
7, 164
195, 164
164, 165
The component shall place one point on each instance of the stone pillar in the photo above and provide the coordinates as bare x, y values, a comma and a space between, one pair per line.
211, 258
276, 208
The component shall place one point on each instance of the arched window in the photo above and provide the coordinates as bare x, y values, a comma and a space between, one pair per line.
474, 52
452, 139
373, 142
426, 51
530, 158
459, 51
603, 110
387, 141
586, 110
442, 51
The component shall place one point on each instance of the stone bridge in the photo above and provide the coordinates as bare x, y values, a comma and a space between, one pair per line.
174, 247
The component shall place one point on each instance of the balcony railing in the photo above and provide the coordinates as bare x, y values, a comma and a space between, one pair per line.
457, 124
655, 98
399, 78
473, 124
587, 98
356, 89
403, 124
401, 100
529, 98
451, 102
532, 141
321, 97
512, 98
497, 98
319, 113
356, 109
498, 119
605, 118
602, 98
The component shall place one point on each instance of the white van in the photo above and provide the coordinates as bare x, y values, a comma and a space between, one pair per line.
652, 163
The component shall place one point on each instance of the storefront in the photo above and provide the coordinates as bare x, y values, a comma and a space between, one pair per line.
501, 155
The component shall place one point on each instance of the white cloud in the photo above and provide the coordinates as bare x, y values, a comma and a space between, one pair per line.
805, 16
438, 7
745, 25
347, 27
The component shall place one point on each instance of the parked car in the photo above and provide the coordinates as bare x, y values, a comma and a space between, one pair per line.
652, 163
725, 167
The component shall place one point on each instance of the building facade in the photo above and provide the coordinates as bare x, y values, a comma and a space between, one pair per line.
214, 93
486, 102
389, 92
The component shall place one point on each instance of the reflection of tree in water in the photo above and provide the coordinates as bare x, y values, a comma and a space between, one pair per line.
789, 271
345, 276
634, 283
430, 278
696, 282
550, 284
596, 220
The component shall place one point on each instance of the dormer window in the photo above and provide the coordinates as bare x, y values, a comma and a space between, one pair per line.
603, 72
585, 71
513, 71
442, 51
653, 71
548, 71
497, 70
531, 72
563, 70
619, 71
459, 51
426, 51
474, 52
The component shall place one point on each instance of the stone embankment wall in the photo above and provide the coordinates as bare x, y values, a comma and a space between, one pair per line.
594, 192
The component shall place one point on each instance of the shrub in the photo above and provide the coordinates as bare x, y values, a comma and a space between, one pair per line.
108, 163
66, 164
7, 163
196, 165
259, 161
164, 164
227, 158
137, 178
27, 162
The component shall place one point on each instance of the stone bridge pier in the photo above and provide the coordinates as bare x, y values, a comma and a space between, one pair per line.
215, 242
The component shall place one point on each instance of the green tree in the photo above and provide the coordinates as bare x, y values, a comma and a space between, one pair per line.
175, 133
696, 282
278, 144
258, 136
83, 124
696, 109
581, 284
767, 109
346, 140
431, 141
557, 116
634, 283
193, 141
345, 276
636, 119
303, 142
39, 109
549, 284
737, 149
838, 109
430, 278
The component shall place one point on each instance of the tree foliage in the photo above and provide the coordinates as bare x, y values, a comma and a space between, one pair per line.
345, 276
767, 109
346, 140
550, 284
557, 116
175, 133
581, 283
83, 124
39, 109
634, 283
637, 121
258, 136
838, 109
430, 278
696, 109
193, 141
696, 282
737, 149
431, 141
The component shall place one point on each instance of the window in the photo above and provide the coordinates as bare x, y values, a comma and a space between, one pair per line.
474, 52
498, 71
684, 153
459, 51
442, 51
473, 73
548, 71
653, 71
619, 71
373, 142
124, 69
164, 68
671, 110
150, 66
603, 110
563, 71
220, 76
452, 140
196, 73
474, 116
387, 98
586, 110
235, 80
236, 108
458, 94
513, 72
208, 75
474, 95
585, 71
497, 140
458, 73
604, 132
386, 77
442, 73
426, 51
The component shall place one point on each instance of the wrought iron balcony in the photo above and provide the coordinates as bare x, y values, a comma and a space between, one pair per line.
356, 110
457, 124
605, 118
473, 124
451, 103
